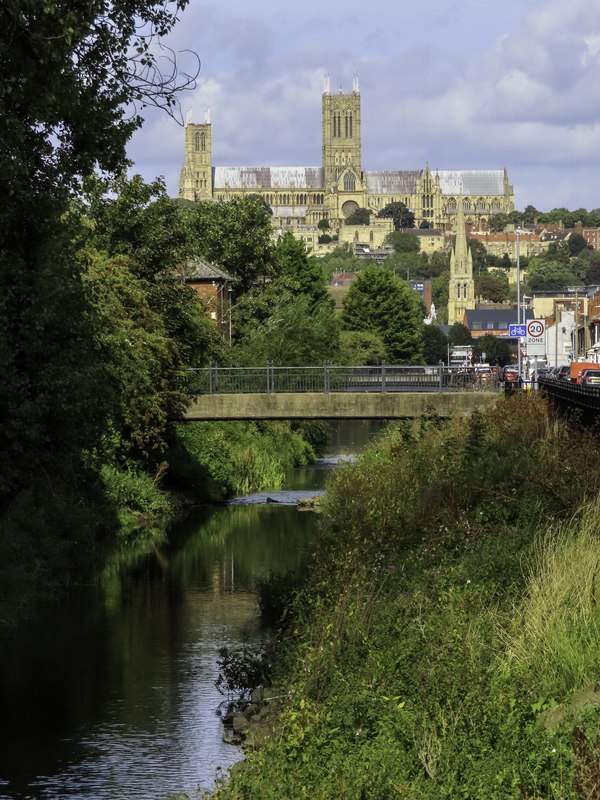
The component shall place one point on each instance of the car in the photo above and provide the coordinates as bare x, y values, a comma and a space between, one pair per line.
511, 374
590, 377
483, 373
563, 373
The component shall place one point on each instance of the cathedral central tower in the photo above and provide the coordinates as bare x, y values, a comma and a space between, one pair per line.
341, 135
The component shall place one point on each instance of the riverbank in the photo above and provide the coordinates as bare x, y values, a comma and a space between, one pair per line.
206, 463
446, 644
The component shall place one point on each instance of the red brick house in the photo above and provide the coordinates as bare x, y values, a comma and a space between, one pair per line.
214, 286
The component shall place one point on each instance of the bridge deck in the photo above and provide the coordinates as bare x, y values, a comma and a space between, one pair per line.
337, 405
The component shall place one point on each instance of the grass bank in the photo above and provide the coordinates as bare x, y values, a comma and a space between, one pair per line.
448, 642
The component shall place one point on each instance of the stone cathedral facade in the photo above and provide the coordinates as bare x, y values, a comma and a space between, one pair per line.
302, 196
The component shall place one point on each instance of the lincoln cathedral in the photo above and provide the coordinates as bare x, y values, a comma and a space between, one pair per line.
300, 197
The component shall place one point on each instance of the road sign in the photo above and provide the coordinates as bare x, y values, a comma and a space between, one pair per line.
536, 337
515, 331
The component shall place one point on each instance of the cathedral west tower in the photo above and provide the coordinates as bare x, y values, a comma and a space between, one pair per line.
195, 182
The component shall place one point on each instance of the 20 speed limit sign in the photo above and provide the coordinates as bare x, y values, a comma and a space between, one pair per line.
536, 337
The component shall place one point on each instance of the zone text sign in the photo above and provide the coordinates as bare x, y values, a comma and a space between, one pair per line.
536, 337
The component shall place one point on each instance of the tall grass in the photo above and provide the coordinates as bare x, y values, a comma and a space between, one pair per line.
556, 628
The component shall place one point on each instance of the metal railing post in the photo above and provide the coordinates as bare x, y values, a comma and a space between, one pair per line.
326, 376
383, 376
440, 372
268, 378
210, 379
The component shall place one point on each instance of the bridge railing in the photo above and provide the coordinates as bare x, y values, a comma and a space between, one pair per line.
332, 378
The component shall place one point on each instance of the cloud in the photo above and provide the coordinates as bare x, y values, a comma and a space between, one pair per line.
511, 85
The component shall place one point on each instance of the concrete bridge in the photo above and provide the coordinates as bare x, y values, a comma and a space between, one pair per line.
331, 392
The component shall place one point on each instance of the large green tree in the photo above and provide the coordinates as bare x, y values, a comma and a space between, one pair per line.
235, 236
379, 302
305, 271
73, 78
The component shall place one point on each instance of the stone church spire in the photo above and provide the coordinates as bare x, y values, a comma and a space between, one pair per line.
461, 290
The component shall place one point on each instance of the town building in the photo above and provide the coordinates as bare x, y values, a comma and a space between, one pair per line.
214, 287
300, 197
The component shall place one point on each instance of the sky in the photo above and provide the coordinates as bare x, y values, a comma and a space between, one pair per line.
457, 84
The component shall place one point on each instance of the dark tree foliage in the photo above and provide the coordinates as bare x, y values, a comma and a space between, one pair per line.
576, 243
305, 271
379, 302
74, 76
593, 273
435, 344
492, 286
479, 254
497, 351
138, 234
235, 236
400, 214
404, 242
459, 334
362, 216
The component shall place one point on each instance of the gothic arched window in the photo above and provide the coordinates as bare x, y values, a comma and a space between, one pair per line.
458, 291
350, 124
349, 182
202, 142
196, 141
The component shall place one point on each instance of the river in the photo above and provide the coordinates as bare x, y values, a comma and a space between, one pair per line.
110, 694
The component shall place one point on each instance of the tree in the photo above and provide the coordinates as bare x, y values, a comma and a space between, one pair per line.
497, 222
459, 334
292, 261
150, 322
400, 214
277, 324
479, 255
235, 236
404, 242
359, 348
439, 293
342, 259
408, 265
492, 286
379, 302
593, 274
73, 77
549, 275
362, 216
435, 344
323, 225
497, 351
576, 243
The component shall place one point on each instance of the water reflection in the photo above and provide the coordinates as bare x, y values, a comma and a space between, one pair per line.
112, 695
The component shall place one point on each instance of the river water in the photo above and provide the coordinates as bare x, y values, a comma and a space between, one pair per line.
110, 694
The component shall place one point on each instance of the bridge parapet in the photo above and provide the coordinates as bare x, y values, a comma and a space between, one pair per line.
332, 378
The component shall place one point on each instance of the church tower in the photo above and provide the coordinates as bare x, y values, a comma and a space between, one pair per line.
195, 182
341, 135
461, 294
